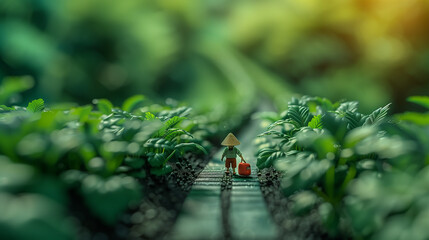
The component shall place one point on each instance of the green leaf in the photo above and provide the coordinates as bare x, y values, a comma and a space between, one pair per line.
28, 216
378, 115
298, 101
138, 174
170, 123
148, 128
4, 108
96, 165
15, 176
273, 132
323, 103
301, 171
321, 143
347, 107
158, 143
351, 173
149, 116
109, 198
420, 100
303, 202
103, 105
116, 146
133, 103
263, 154
278, 123
269, 116
330, 181
157, 160
82, 112
36, 105
161, 170
134, 162
358, 134
175, 132
13, 85
179, 112
193, 145
299, 116
337, 126
354, 119
416, 118
316, 122
273, 157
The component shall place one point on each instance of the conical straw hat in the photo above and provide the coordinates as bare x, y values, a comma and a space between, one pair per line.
230, 140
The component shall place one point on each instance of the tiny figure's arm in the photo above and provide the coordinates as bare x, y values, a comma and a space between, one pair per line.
241, 155
223, 154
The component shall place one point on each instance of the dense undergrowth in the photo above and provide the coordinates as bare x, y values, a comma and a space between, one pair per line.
65, 167
98, 154
365, 176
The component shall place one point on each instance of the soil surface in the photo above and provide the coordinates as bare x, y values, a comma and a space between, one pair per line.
289, 225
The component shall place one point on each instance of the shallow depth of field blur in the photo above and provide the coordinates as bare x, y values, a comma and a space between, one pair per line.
215, 54
72, 170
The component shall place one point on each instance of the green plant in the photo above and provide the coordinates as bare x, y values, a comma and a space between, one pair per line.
98, 152
416, 117
12, 86
393, 205
320, 147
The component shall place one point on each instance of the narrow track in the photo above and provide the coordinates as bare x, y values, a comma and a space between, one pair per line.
221, 206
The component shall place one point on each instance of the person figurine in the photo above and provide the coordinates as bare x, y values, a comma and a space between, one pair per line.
231, 152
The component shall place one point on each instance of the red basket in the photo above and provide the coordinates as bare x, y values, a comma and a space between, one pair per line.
244, 169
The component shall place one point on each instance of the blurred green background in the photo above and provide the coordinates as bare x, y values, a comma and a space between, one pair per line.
215, 54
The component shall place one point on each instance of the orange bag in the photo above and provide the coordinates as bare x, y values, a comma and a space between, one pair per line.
244, 169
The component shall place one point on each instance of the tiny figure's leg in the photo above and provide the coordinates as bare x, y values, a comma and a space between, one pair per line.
234, 165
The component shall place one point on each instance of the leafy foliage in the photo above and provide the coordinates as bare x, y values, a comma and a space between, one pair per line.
103, 105
14, 85
377, 116
36, 105
420, 100
100, 153
416, 117
340, 146
132, 103
354, 119
316, 122
299, 116
347, 107
109, 198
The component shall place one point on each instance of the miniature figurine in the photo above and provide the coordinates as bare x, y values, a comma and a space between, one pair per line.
231, 152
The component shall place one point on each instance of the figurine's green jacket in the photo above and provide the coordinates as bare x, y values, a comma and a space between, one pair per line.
231, 153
